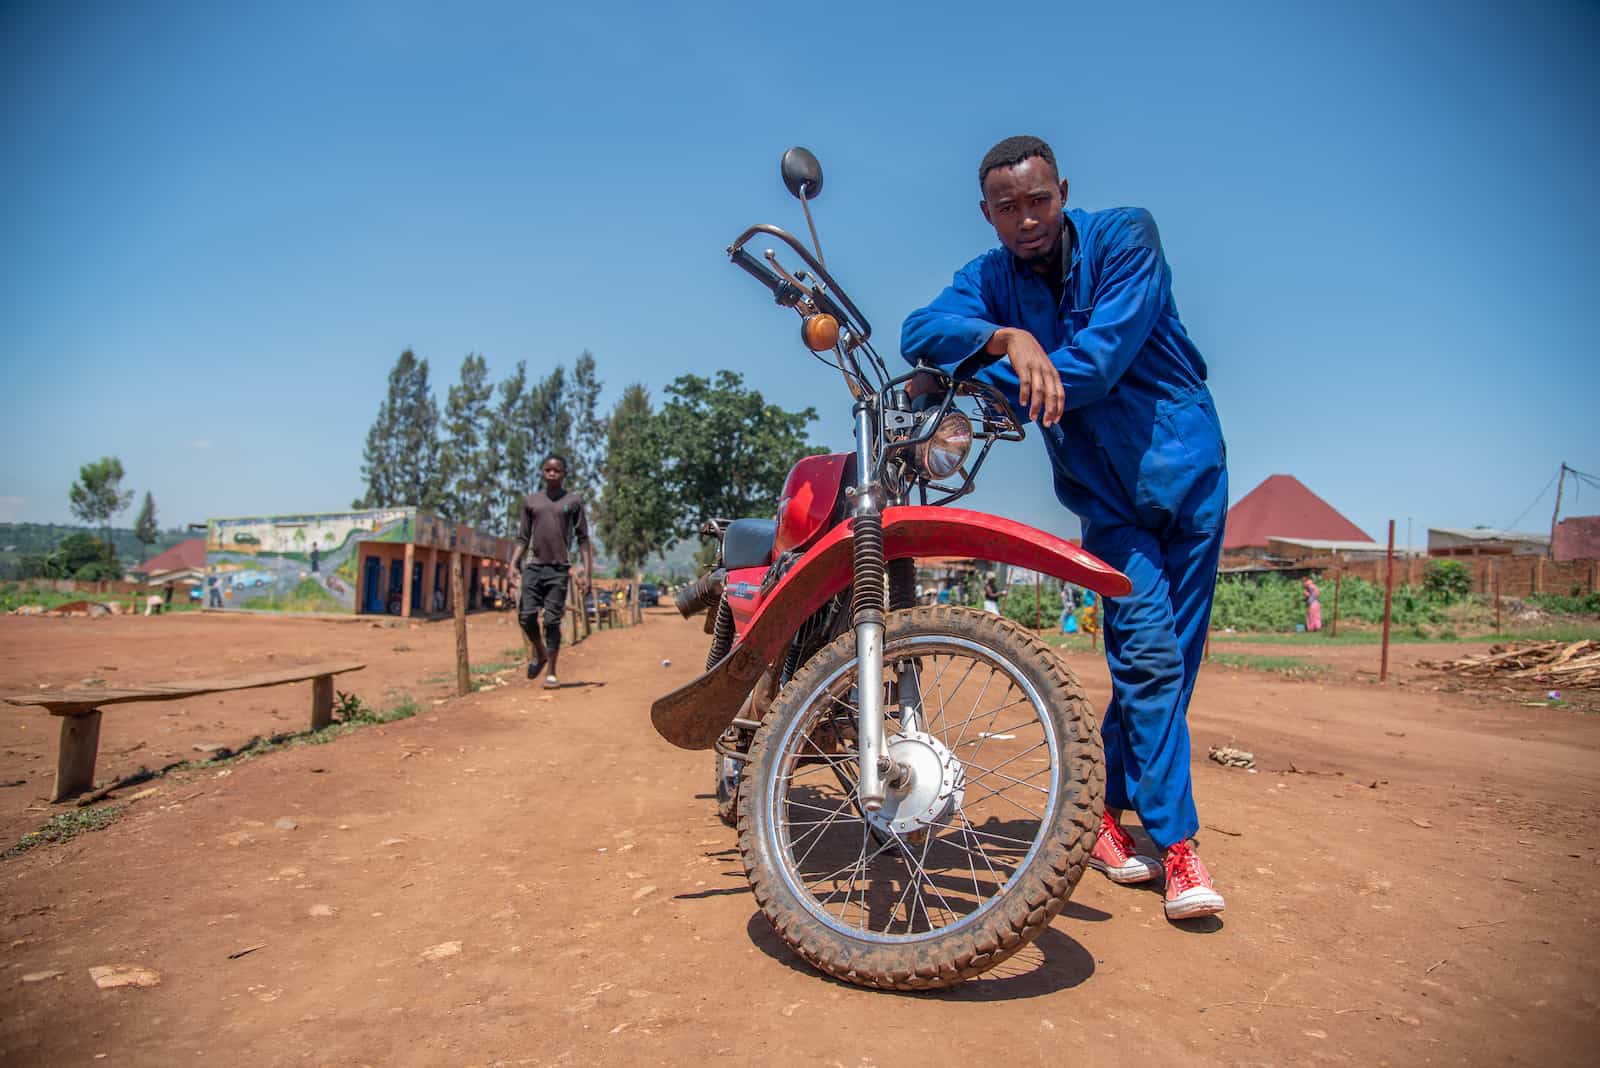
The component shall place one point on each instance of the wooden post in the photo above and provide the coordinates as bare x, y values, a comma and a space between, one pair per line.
1497, 599
1538, 574
406, 581
573, 611
1333, 630
76, 754
321, 702
458, 594
1388, 600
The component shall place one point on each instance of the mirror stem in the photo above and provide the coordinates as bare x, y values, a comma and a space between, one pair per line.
805, 206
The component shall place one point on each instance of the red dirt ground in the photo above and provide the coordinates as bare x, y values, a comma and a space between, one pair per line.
1422, 889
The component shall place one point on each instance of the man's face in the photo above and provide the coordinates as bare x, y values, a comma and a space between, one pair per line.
554, 473
1023, 204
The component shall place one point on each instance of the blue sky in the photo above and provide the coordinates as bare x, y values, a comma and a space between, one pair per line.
222, 223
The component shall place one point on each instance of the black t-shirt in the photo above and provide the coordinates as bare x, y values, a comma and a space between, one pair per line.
549, 526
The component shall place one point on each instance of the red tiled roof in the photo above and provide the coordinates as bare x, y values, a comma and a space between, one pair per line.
1577, 538
1282, 507
191, 553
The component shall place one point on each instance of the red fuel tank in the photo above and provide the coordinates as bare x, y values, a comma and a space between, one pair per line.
810, 496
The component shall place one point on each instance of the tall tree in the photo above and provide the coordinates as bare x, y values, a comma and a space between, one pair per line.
401, 462
97, 496
144, 527
727, 450
635, 514
543, 424
510, 432
586, 428
471, 461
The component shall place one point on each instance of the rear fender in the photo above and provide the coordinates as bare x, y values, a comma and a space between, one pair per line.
694, 715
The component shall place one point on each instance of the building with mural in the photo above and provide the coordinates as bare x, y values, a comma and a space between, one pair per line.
387, 561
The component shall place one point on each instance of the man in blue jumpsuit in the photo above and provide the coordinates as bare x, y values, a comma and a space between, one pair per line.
1073, 319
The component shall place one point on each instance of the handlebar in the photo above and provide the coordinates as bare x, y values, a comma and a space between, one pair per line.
787, 293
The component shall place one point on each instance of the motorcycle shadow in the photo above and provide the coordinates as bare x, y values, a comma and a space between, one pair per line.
1050, 963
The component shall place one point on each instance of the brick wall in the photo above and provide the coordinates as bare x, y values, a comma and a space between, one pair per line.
1519, 575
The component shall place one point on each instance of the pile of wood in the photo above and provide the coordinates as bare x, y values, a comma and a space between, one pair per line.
1572, 664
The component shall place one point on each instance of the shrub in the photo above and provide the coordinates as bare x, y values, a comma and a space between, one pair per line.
1447, 579
1018, 606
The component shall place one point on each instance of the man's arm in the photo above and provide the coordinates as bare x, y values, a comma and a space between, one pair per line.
953, 330
956, 331
524, 533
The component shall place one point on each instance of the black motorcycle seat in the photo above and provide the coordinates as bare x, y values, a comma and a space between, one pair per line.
748, 543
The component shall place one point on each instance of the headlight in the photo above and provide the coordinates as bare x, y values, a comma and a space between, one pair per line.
943, 454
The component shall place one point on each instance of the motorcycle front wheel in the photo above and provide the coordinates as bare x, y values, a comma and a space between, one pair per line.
985, 832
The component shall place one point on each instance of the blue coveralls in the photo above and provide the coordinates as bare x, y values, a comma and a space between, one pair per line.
1138, 455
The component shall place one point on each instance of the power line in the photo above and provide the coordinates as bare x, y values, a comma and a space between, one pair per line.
1536, 500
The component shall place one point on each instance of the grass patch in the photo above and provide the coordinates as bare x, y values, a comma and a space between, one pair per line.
493, 667
65, 826
1282, 665
1077, 643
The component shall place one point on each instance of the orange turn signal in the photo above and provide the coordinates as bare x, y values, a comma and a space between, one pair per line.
820, 332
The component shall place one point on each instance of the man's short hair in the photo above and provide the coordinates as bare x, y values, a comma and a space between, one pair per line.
1012, 151
556, 456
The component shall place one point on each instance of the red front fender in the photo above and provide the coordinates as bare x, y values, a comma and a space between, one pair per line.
694, 715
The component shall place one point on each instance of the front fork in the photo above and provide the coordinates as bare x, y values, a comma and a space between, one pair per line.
867, 604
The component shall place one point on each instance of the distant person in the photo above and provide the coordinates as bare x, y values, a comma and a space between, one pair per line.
991, 595
213, 591
166, 595
316, 558
1313, 604
552, 519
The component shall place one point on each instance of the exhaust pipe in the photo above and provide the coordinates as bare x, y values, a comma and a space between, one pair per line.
701, 593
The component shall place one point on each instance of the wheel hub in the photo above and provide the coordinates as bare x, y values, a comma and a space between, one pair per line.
929, 787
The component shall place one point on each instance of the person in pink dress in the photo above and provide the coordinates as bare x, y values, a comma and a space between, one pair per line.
1313, 604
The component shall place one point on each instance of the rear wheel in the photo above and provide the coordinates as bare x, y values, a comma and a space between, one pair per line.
985, 833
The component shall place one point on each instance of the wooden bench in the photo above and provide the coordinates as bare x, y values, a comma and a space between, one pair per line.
80, 712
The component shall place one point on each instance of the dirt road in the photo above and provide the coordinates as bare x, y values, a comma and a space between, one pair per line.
527, 878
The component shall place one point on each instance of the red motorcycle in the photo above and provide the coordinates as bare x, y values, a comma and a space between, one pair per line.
916, 788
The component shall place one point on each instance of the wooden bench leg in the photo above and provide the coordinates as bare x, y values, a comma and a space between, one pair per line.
321, 702
75, 756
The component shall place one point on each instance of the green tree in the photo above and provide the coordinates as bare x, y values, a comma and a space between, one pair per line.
97, 496
586, 429
514, 438
634, 516
401, 462
144, 527
543, 424
726, 450
79, 555
471, 459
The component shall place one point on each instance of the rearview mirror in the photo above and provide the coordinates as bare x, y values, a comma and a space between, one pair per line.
802, 174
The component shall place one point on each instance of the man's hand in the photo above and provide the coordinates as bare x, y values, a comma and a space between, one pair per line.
1039, 383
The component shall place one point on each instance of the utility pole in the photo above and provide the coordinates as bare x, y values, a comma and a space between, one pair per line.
1561, 481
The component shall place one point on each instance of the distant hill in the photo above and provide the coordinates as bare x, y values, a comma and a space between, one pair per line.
35, 539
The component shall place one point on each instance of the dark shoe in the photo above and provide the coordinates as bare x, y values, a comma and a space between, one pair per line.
534, 667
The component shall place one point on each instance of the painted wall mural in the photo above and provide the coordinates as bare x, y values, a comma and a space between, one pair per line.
308, 563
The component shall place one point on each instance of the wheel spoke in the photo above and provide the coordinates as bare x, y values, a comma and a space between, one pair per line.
935, 868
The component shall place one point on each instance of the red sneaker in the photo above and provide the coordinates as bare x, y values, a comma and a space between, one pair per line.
1114, 855
1189, 890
